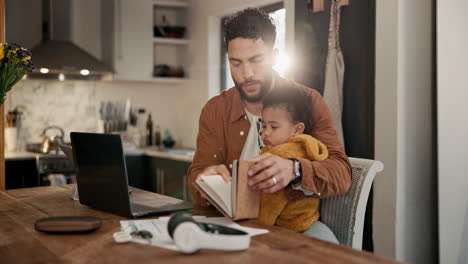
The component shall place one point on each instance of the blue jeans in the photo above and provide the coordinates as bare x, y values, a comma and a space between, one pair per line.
321, 231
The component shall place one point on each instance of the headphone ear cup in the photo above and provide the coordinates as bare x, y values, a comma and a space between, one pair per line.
187, 237
177, 219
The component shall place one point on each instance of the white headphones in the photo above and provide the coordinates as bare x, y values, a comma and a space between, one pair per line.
191, 236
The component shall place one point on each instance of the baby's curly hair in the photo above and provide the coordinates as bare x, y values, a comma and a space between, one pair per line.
250, 23
295, 100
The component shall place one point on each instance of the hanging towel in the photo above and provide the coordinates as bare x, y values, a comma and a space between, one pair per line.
334, 73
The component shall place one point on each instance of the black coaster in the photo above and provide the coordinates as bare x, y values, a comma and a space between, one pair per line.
68, 224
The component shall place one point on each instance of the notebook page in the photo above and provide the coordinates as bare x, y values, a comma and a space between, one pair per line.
221, 188
213, 196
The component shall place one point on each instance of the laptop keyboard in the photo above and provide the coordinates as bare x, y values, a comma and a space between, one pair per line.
141, 208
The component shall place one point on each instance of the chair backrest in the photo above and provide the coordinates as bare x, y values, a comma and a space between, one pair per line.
344, 214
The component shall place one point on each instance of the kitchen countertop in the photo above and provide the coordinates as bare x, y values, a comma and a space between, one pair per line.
185, 155
17, 155
180, 154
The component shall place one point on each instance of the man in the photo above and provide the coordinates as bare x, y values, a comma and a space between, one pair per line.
230, 122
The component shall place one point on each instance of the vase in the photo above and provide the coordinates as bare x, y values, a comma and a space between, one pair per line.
10, 138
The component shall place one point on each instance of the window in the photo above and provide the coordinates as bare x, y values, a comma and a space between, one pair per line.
278, 13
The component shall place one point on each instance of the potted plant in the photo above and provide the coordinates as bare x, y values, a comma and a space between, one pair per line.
15, 62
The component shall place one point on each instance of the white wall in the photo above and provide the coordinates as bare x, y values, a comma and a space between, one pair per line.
452, 112
404, 194
416, 217
386, 110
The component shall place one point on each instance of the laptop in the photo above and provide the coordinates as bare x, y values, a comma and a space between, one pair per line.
102, 178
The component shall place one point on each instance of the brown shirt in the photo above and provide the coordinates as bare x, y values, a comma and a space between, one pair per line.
223, 129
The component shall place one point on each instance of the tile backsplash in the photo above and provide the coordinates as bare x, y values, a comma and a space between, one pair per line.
74, 106
70, 105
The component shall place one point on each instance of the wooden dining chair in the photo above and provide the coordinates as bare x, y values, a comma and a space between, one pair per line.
344, 214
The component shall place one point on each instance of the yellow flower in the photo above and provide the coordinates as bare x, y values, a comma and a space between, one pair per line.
2, 51
10, 54
26, 58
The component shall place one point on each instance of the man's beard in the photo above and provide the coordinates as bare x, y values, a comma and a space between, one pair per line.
264, 89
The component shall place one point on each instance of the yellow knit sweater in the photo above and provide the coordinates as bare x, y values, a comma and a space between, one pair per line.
275, 208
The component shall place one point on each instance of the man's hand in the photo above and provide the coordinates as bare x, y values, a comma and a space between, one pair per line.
214, 170
271, 173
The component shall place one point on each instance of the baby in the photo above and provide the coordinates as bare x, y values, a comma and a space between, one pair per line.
287, 120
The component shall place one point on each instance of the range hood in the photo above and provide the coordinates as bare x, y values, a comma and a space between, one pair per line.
57, 57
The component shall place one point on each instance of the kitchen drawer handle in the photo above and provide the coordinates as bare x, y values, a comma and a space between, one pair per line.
184, 187
163, 189
158, 180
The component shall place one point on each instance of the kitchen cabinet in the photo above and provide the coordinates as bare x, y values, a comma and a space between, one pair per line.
169, 177
133, 40
21, 173
136, 50
145, 170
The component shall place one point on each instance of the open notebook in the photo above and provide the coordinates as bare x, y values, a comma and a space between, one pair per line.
235, 199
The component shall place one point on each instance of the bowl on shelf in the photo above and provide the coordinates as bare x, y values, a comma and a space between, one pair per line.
164, 70
169, 31
174, 31
176, 72
158, 31
161, 70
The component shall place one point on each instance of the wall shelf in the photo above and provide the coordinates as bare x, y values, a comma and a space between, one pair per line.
173, 52
171, 80
168, 3
175, 41
156, 80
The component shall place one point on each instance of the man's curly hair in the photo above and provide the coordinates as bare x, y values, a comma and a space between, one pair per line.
250, 23
295, 100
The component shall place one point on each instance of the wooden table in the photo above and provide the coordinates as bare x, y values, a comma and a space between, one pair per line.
20, 243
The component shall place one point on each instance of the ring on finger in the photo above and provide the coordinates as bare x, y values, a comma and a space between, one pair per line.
274, 180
